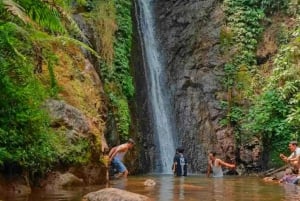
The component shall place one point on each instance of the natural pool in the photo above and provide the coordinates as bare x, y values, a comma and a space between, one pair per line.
169, 188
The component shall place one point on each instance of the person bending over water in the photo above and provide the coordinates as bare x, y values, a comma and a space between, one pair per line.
215, 165
117, 154
293, 159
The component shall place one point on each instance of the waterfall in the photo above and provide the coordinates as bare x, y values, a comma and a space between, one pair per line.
156, 86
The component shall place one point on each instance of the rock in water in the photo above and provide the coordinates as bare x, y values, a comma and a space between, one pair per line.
113, 194
149, 182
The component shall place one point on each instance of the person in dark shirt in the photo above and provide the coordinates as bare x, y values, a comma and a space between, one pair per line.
174, 161
180, 163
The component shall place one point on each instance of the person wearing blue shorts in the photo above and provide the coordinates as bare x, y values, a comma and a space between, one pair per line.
117, 154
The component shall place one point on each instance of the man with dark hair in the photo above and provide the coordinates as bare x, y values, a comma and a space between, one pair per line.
215, 165
293, 159
117, 154
180, 163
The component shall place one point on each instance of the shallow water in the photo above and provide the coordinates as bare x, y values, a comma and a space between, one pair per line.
169, 188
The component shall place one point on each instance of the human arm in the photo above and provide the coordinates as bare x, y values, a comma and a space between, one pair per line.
229, 165
113, 152
283, 157
174, 167
208, 169
289, 159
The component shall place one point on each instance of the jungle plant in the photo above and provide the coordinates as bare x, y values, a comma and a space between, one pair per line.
27, 29
115, 31
274, 114
25, 137
262, 111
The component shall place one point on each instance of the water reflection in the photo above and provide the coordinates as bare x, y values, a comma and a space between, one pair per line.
72, 194
217, 189
166, 189
191, 188
181, 188
292, 192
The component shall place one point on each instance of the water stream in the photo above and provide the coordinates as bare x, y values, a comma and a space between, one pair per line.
191, 188
157, 91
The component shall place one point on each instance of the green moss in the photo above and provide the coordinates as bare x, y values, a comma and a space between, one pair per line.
27, 57
115, 30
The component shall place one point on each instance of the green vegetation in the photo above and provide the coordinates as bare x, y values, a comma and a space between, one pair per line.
266, 107
33, 37
28, 29
115, 28
24, 135
275, 113
122, 76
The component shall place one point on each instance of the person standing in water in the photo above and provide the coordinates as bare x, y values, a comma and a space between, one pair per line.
117, 154
180, 163
215, 165
174, 161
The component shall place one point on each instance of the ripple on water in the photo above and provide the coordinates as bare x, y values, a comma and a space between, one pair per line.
191, 188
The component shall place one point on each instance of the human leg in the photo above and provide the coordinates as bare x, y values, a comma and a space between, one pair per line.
298, 164
121, 168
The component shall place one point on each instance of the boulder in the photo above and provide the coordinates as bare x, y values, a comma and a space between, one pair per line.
57, 180
114, 194
20, 189
66, 115
15, 186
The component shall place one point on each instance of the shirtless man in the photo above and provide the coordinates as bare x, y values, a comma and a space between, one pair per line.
293, 159
117, 154
215, 165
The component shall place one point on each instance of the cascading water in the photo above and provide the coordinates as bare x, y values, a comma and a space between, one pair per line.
157, 92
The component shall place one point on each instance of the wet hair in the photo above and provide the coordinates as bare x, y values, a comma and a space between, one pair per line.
131, 141
180, 150
213, 153
294, 142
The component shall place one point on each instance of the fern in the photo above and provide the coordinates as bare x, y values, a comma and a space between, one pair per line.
68, 20
16, 10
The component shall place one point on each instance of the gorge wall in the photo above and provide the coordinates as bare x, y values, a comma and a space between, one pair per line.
188, 34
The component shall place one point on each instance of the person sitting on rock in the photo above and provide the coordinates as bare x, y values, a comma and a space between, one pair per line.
293, 159
215, 165
117, 154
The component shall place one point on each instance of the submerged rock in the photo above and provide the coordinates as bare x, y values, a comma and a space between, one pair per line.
20, 189
17, 186
57, 180
149, 182
113, 194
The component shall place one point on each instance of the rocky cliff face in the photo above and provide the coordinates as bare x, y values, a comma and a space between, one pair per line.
189, 37
188, 34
